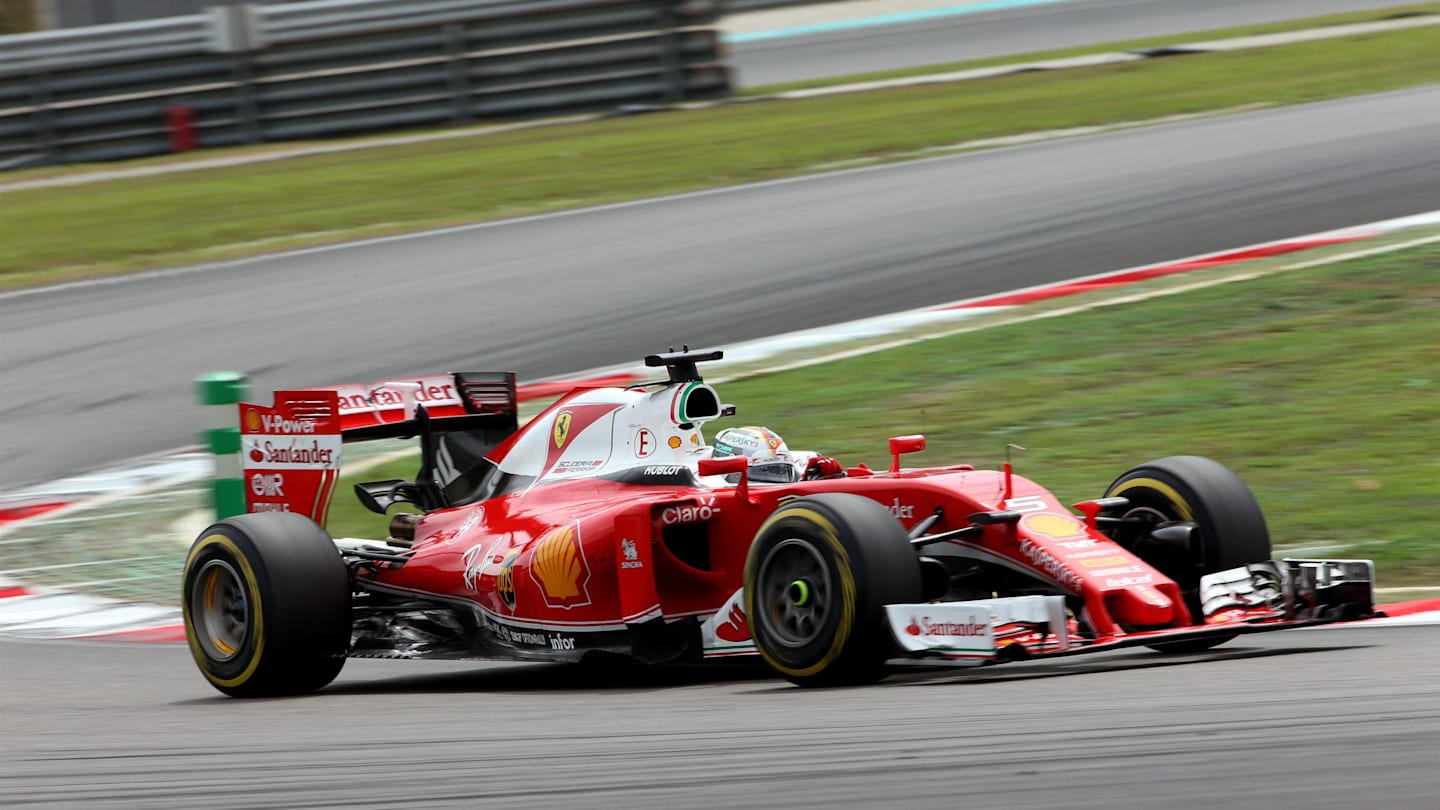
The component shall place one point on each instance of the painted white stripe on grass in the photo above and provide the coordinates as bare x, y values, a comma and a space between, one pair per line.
1360, 254
1373, 229
969, 74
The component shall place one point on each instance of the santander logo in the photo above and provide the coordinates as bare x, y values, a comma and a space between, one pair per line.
925, 626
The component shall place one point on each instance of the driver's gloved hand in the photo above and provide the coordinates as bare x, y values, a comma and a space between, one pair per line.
823, 467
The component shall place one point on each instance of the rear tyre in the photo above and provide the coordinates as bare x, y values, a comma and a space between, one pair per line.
817, 580
266, 603
1230, 528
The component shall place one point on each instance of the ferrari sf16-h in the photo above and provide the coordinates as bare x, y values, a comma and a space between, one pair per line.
609, 526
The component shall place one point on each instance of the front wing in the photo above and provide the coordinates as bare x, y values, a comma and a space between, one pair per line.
1255, 598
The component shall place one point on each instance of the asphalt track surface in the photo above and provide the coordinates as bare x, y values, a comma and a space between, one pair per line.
1026, 29
100, 373
1312, 719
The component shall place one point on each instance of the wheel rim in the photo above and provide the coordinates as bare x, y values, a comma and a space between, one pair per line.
1183, 566
220, 610
794, 593
1129, 536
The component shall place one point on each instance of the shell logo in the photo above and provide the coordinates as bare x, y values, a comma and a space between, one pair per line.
505, 580
252, 420
675, 442
562, 428
558, 566
1058, 527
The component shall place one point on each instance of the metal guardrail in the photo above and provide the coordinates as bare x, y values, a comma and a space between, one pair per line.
248, 74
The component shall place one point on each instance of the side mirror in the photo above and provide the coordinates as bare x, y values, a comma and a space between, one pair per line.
900, 445
730, 466
724, 466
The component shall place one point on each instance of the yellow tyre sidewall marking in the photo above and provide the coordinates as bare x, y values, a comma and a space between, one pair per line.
847, 588
227, 545
1159, 486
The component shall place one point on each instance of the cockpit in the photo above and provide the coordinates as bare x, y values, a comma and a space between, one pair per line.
648, 433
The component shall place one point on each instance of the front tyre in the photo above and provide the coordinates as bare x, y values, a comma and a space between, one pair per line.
266, 602
1229, 528
817, 580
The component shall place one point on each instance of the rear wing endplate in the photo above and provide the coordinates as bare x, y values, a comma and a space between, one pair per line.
290, 450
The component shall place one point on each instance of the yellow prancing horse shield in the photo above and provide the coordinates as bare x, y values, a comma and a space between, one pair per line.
562, 428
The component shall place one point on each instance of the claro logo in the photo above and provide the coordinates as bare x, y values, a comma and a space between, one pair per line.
690, 513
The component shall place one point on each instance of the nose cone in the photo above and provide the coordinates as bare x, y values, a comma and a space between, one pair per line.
1140, 605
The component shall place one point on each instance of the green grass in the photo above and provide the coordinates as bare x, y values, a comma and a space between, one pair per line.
207, 214
1320, 387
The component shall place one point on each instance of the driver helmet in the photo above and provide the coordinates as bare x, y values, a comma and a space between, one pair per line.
770, 460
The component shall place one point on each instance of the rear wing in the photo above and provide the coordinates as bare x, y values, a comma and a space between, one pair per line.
291, 450
458, 401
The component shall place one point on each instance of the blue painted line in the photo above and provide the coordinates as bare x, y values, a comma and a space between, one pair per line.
887, 19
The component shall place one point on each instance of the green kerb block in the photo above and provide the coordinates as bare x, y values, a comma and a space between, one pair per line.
221, 387
221, 441
229, 496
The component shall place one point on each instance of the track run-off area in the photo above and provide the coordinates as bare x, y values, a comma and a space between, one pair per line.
100, 373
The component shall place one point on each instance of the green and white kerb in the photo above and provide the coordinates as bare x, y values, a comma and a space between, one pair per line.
225, 390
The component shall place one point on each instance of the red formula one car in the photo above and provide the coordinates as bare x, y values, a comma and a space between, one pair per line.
607, 525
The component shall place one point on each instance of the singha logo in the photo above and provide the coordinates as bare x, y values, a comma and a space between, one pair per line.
631, 553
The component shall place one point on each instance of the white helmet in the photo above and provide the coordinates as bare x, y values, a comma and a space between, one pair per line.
770, 459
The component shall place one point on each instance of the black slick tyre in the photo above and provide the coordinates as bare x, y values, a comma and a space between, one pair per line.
1229, 531
817, 579
266, 603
